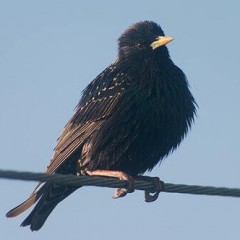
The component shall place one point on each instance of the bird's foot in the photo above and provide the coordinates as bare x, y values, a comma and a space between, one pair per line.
120, 192
152, 195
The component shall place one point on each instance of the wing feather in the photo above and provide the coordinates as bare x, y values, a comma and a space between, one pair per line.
98, 101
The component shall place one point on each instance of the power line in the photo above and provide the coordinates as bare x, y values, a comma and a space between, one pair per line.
115, 183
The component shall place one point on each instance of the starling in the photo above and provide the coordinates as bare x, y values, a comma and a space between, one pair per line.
128, 119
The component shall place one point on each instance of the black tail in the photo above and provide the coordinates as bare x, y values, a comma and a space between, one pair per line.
53, 195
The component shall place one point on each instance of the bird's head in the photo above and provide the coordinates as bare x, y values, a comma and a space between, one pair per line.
143, 41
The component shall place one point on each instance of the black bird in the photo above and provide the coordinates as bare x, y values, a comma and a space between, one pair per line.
129, 118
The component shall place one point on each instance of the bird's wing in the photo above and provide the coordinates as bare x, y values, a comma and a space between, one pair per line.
98, 101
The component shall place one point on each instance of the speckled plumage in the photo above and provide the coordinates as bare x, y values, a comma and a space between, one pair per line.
129, 118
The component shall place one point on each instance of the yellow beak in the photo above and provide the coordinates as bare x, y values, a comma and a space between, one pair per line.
160, 41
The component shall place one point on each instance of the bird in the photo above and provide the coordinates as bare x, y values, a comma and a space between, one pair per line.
128, 119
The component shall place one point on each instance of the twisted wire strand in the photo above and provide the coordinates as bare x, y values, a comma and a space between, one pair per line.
116, 183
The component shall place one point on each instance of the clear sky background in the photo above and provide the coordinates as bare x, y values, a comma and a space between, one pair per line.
51, 50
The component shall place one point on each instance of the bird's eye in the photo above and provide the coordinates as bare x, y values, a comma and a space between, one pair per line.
139, 45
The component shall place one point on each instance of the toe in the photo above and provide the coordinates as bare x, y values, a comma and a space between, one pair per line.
120, 192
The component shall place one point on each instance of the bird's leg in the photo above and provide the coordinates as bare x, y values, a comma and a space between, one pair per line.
152, 195
120, 192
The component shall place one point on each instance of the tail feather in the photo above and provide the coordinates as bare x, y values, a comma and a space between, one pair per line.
27, 203
39, 214
53, 195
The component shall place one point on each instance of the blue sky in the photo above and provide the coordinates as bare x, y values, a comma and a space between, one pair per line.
51, 50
